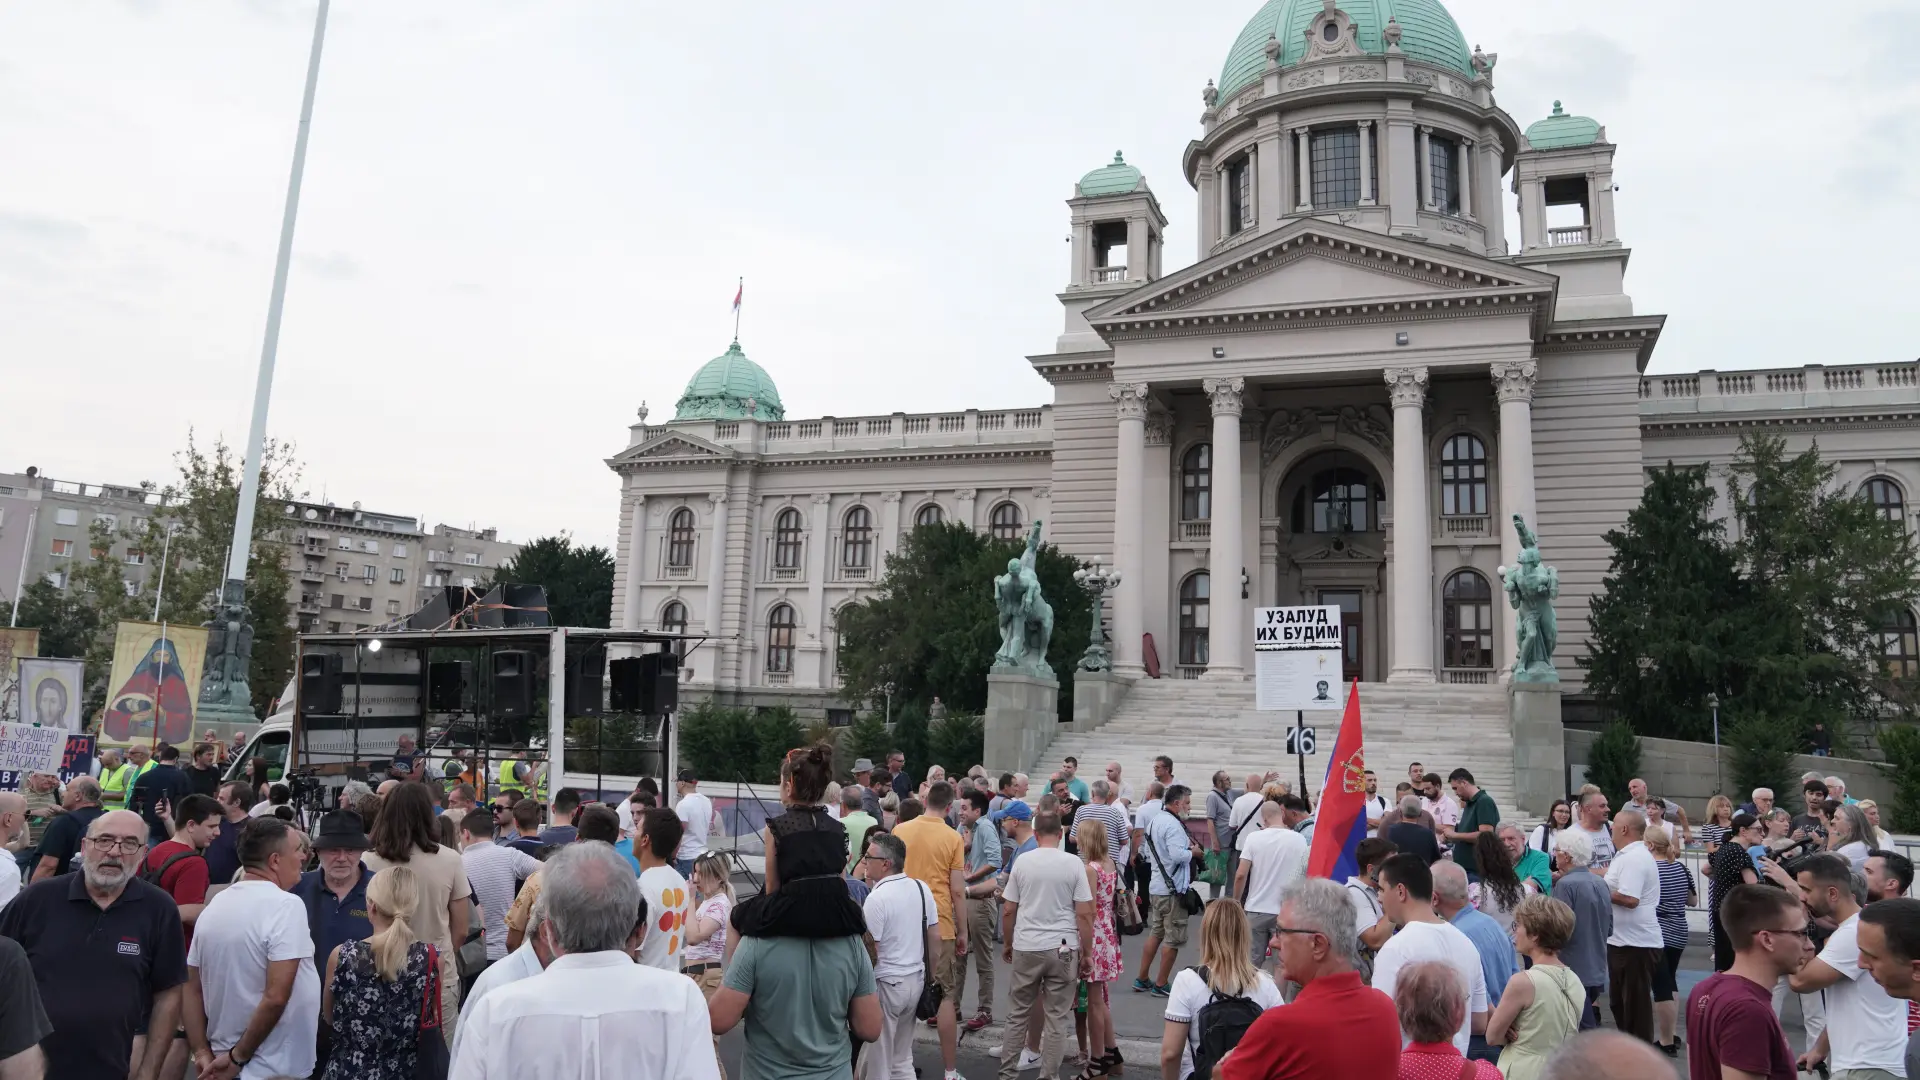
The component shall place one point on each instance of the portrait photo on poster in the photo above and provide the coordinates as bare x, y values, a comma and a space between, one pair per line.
50, 692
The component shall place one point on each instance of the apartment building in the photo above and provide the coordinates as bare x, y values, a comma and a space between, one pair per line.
455, 556
46, 529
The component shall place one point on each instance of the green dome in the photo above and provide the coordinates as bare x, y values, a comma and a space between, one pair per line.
1427, 33
722, 387
1563, 129
1118, 178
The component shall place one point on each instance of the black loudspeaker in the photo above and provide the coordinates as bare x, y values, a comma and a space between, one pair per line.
585, 671
514, 605
438, 612
320, 684
623, 686
660, 683
512, 684
447, 685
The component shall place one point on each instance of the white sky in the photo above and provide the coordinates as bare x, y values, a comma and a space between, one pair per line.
522, 219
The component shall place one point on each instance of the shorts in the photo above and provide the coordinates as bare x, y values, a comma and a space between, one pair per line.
1167, 920
945, 965
1666, 973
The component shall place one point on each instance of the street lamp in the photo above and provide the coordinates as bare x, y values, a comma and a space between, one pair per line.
1097, 657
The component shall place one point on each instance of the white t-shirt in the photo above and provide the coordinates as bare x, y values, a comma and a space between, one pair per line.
1366, 906
1866, 1028
1245, 810
1602, 840
1634, 873
1276, 858
1189, 994
1421, 941
898, 910
1376, 807
244, 928
696, 814
669, 904
1047, 882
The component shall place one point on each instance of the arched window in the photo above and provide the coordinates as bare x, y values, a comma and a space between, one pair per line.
1467, 621
680, 539
1342, 501
1885, 496
673, 620
1196, 484
1004, 524
787, 540
856, 539
780, 626
1463, 476
1900, 645
1194, 649
930, 514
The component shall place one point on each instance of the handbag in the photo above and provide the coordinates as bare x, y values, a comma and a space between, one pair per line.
931, 992
1126, 912
1190, 901
432, 1059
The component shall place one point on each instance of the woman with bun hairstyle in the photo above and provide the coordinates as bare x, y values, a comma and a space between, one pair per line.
806, 895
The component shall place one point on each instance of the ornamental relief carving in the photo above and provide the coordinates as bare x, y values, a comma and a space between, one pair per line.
1456, 88
1371, 422
1159, 427
1130, 400
1513, 380
1284, 428
1407, 386
1424, 78
1316, 77
1359, 72
1249, 95
1224, 395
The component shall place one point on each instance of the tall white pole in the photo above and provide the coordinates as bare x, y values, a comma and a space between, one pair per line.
160, 587
263, 386
20, 583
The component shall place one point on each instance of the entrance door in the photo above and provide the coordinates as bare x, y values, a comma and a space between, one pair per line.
1348, 601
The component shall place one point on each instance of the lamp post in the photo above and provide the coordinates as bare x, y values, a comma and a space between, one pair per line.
1713, 702
224, 692
1102, 581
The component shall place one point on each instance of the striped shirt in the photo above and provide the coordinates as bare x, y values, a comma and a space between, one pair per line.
494, 874
1675, 880
1114, 818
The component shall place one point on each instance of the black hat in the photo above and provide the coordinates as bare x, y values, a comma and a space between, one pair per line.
341, 829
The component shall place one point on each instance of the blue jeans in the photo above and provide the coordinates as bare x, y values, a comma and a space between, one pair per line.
685, 867
1590, 1016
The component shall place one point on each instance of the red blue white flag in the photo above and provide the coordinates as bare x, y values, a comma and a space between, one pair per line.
1341, 822
737, 294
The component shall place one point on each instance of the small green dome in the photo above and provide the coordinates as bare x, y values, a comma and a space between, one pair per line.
722, 387
1427, 32
1563, 129
1118, 178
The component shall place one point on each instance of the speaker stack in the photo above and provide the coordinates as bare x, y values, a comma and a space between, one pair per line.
648, 684
320, 683
513, 675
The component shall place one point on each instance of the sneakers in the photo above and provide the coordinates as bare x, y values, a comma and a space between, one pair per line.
1162, 991
1141, 986
1028, 1060
980, 1019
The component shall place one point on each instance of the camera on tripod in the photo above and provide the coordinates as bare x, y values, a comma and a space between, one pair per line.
306, 791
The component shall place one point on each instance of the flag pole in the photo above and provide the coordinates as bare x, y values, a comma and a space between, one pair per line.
739, 291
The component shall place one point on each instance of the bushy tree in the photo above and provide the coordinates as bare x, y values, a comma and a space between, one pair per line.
1614, 760
958, 742
869, 738
912, 738
578, 579
1760, 749
66, 624
929, 629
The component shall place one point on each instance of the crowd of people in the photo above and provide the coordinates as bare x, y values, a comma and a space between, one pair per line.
471, 926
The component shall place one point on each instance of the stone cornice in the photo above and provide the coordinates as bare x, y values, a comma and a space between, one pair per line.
1319, 315
1639, 332
1073, 367
1739, 424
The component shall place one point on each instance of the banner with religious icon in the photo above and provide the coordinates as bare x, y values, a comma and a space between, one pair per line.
155, 683
15, 643
50, 692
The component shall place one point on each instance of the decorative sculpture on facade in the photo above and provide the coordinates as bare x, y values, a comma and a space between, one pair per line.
1026, 619
1531, 589
229, 659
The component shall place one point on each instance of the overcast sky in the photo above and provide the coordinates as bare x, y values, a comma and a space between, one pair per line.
522, 219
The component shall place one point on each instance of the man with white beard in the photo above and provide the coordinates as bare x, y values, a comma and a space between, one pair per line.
107, 952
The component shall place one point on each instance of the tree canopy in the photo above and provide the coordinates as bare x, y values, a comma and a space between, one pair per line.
578, 579
929, 628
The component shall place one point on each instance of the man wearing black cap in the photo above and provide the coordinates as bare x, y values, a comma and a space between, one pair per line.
336, 896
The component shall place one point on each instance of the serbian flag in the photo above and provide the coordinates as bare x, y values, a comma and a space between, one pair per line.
1341, 822
737, 294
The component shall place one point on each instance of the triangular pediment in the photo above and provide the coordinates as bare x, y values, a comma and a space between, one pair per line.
677, 446
1314, 268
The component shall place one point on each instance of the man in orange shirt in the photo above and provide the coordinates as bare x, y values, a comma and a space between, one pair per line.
935, 856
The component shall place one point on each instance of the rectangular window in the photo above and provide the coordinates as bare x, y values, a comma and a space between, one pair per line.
366, 603
839, 717
368, 573
336, 600
132, 587
340, 570
371, 547
333, 628
1239, 196
468, 582
136, 557
1443, 182
346, 543
57, 578
393, 607
397, 576
66, 516
109, 520
138, 525
63, 549
471, 558
436, 556
1335, 156
399, 551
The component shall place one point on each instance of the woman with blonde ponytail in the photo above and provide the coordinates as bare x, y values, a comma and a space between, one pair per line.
375, 988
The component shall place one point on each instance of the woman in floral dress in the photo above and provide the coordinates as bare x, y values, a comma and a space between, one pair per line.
375, 988
1103, 958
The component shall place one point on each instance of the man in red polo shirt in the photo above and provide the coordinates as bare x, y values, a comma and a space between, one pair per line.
1337, 1025
179, 865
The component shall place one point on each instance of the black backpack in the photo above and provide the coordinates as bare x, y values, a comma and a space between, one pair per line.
1221, 1022
154, 875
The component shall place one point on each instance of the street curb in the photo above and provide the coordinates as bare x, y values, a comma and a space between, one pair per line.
989, 1039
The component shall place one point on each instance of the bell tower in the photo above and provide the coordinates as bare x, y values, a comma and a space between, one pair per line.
1118, 236
1564, 177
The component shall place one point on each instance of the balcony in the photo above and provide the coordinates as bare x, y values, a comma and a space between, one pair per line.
1569, 235
1466, 527
679, 571
1466, 676
1812, 386
868, 433
309, 605
1196, 532
778, 678
784, 573
1189, 671
1108, 275
312, 577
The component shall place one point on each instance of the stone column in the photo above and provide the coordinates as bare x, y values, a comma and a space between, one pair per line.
1412, 531
1304, 156
1209, 216
1137, 245
1424, 179
1464, 156
1129, 526
819, 551
636, 564
889, 533
1272, 174
1082, 253
963, 507
1226, 558
1513, 385
1367, 197
1223, 187
716, 576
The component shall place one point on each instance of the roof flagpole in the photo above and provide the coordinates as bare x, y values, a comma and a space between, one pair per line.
739, 291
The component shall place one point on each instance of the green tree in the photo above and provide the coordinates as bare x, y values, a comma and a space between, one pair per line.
912, 740
66, 624
869, 738
958, 742
1901, 744
1614, 760
578, 579
1665, 623
929, 628
776, 730
720, 743
1760, 750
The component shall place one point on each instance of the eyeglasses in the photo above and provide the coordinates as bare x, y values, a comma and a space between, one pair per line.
1804, 932
1287, 930
126, 845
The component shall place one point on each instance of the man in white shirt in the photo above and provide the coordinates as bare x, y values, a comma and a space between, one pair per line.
1376, 803
1047, 925
530, 959
253, 997
1274, 859
1406, 892
495, 874
697, 821
1866, 1034
1122, 791
903, 930
593, 1011
657, 837
1636, 944
1243, 818
13, 829
1591, 822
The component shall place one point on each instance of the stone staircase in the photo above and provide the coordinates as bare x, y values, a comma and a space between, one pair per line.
1204, 726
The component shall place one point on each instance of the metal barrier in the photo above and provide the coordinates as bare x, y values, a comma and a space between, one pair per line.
1695, 860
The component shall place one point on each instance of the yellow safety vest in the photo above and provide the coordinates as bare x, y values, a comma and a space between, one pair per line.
113, 786
508, 781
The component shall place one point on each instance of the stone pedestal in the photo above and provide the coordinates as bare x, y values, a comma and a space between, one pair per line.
1023, 712
1096, 695
1539, 746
